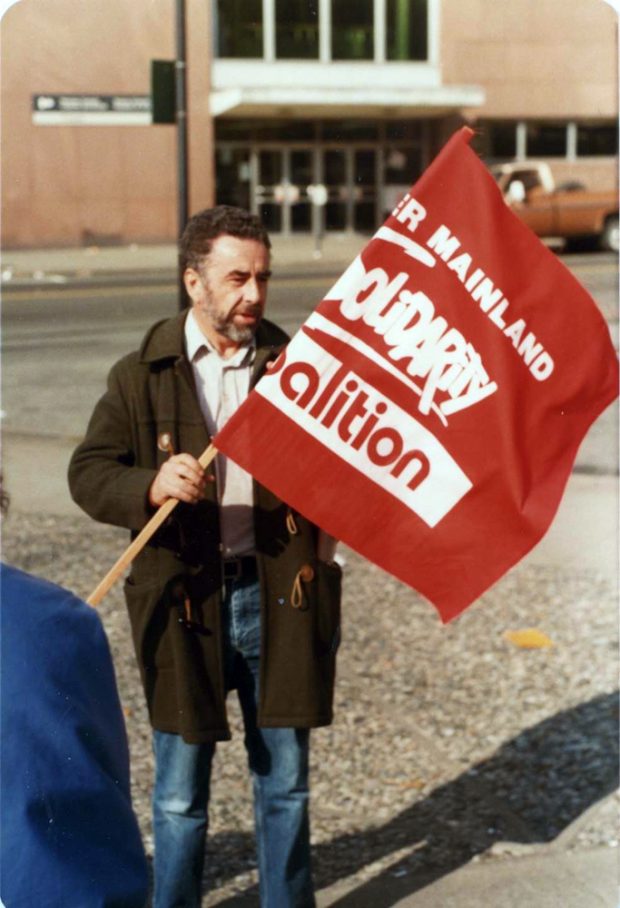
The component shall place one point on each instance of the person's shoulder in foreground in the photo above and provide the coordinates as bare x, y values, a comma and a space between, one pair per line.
69, 835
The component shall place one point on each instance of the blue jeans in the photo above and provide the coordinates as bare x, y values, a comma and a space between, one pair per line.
278, 761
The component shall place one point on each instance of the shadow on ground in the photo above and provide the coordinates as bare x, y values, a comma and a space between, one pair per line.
529, 791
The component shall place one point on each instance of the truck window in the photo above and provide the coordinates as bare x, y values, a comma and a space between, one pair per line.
529, 178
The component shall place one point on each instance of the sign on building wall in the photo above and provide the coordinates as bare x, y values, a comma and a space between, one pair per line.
91, 110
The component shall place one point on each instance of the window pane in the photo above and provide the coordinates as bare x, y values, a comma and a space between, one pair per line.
402, 166
297, 29
301, 168
271, 216
263, 130
335, 168
364, 167
270, 168
349, 130
404, 129
407, 29
352, 30
597, 140
232, 167
283, 130
496, 140
546, 141
239, 28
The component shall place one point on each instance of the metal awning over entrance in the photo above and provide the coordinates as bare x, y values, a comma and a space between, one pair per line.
321, 101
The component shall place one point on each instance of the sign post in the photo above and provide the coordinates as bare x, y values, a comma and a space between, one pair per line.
181, 112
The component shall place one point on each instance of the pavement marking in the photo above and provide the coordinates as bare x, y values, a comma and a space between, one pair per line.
108, 290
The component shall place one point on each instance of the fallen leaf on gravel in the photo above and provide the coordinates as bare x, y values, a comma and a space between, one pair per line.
529, 638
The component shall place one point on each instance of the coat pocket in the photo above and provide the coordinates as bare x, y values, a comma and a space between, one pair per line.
328, 578
149, 616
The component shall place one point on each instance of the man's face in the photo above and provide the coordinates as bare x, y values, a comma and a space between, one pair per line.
229, 290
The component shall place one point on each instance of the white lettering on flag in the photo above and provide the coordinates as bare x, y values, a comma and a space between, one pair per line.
444, 361
364, 428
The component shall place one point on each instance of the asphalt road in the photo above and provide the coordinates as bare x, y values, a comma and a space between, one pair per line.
58, 343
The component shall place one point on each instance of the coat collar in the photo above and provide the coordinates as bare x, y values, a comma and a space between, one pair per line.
165, 340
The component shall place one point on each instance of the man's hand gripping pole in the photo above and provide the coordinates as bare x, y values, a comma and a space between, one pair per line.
143, 537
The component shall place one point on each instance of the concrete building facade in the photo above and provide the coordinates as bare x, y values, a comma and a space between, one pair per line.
291, 103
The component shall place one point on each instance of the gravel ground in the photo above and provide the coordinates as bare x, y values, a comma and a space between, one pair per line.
449, 742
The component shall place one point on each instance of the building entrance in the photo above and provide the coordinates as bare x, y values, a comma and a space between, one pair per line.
283, 176
362, 179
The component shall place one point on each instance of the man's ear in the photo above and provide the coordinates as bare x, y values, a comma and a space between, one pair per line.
193, 283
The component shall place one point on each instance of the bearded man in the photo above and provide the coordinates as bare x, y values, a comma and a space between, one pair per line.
214, 599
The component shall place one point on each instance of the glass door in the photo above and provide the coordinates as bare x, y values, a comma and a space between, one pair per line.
233, 171
365, 219
336, 181
269, 177
300, 174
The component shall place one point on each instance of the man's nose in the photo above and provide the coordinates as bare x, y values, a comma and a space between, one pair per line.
254, 291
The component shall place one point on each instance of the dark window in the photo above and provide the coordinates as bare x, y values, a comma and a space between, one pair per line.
349, 130
407, 29
263, 130
233, 130
352, 30
301, 168
529, 178
402, 166
239, 28
364, 169
597, 140
233, 177
283, 130
546, 140
297, 29
270, 167
495, 140
335, 168
410, 130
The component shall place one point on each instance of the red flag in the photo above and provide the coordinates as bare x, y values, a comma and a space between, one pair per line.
428, 413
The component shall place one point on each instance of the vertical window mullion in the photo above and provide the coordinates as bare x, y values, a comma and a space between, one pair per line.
325, 31
269, 30
350, 178
379, 29
253, 179
571, 141
286, 182
521, 154
433, 31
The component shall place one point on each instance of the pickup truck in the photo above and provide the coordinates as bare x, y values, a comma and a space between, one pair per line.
569, 211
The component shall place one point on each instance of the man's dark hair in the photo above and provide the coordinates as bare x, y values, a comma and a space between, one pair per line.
207, 225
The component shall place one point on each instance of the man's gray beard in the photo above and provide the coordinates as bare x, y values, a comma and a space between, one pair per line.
238, 335
242, 336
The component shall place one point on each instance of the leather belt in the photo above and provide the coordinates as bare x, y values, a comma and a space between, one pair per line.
243, 568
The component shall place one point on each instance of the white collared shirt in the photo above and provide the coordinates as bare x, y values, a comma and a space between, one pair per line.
222, 386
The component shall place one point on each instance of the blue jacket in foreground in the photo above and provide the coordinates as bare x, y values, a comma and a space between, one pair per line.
69, 835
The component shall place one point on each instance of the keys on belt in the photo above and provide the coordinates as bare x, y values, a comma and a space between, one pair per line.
243, 568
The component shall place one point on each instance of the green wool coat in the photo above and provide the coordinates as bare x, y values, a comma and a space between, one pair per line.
151, 392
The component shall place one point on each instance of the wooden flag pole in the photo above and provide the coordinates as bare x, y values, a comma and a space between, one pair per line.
143, 537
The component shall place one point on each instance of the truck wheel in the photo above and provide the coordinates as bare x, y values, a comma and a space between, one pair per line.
610, 237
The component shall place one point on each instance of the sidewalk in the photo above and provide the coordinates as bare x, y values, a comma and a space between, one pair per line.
543, 878
289, 255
